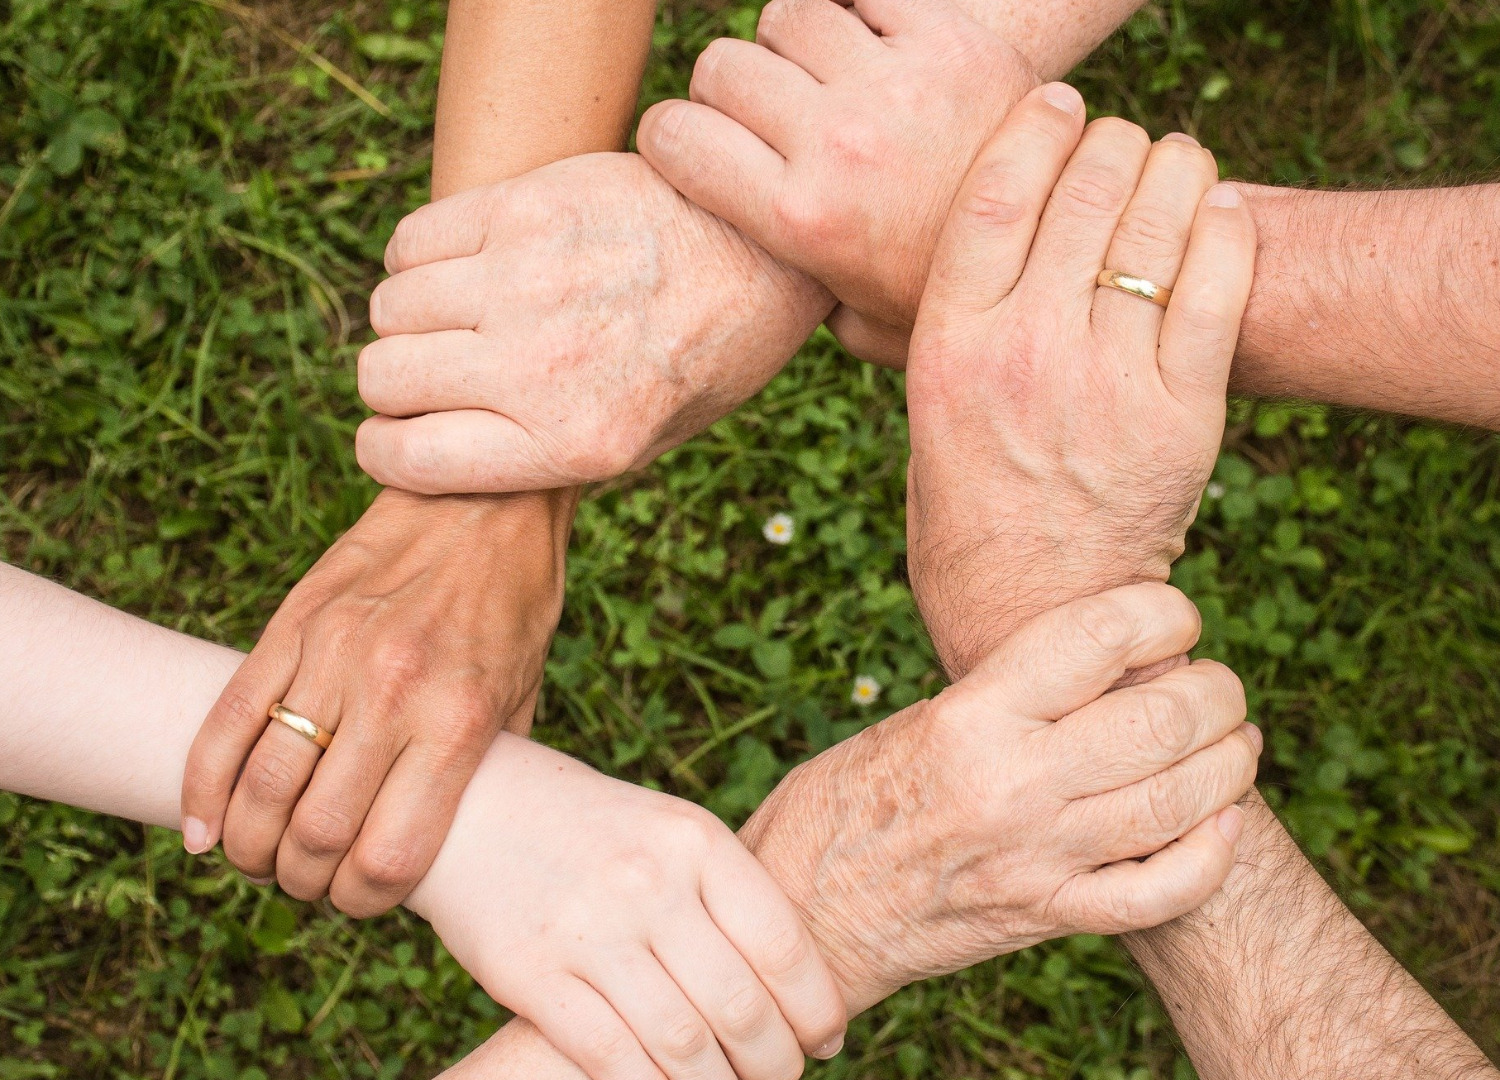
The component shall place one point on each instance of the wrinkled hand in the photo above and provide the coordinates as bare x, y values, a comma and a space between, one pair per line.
565, 327
1062, 433
1007, 810
837, 142
1010, 808
415, 639
631, 927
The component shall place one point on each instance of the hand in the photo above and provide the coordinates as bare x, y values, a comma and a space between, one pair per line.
565, 327
1062, 433
1009, 809
415, 638
631, 927
837, 142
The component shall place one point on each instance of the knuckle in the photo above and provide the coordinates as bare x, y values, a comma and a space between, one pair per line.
994, 197
1150, 228
1165, 813
388, 865
803, 216
747, 1013
711, 62
777, 18
324, 829
1118, 129
1164, 723
272, 779
785, 951
397, 661
685, 1037
1103, 624
608, 1047
240, 710
1092, 190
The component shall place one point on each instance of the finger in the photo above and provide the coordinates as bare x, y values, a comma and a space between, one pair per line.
1202, 322
869, 339
994, 218
1134, 821
446, 295
673, 1032
230, 732
330, 814
1084, 212
1176, 880
821, 37
891, 18
450, 228
462, 452
760, 922
1133, 733
577, 1020
744, 1017
719, 164
1153, 235
405, 827
1065, 658
275, 776
767, 94
411, 374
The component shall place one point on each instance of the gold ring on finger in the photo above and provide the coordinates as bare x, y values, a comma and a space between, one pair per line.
1135, 286
301, 725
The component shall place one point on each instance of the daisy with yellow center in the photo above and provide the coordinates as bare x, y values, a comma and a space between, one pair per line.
866, 691
779, 529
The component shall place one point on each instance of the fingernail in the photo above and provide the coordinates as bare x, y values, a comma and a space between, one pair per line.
1064, 97
1178, 136
259, 881
1257, 740
1225, 195
830, 1049
1231, 823
195, 836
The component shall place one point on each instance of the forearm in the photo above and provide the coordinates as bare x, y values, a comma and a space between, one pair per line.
528, 82
1056, 34
1385, 300
1275, 978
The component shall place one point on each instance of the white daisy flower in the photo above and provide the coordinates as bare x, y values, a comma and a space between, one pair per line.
779, 529
1215, 490
866, 691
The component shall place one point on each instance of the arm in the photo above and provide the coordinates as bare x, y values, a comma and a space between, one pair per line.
606, 261
1272, 977
392, 636
1383, 300
1033, 749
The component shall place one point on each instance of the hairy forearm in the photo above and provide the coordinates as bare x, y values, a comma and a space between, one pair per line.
1275, 978
1384, 300
1056, 34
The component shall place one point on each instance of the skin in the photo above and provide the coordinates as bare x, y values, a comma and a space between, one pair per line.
840, 151
390, 638
462, 413
1273, 977
1051, 786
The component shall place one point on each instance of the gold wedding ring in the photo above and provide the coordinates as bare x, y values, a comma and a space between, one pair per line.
1135, 286
301, 725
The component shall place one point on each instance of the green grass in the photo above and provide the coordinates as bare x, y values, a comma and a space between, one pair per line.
191, 211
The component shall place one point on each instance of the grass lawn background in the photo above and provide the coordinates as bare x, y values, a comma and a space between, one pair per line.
194, 197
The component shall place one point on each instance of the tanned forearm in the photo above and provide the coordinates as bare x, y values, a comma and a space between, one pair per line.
1385, 300
1275, 979
525, 83
529, 82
